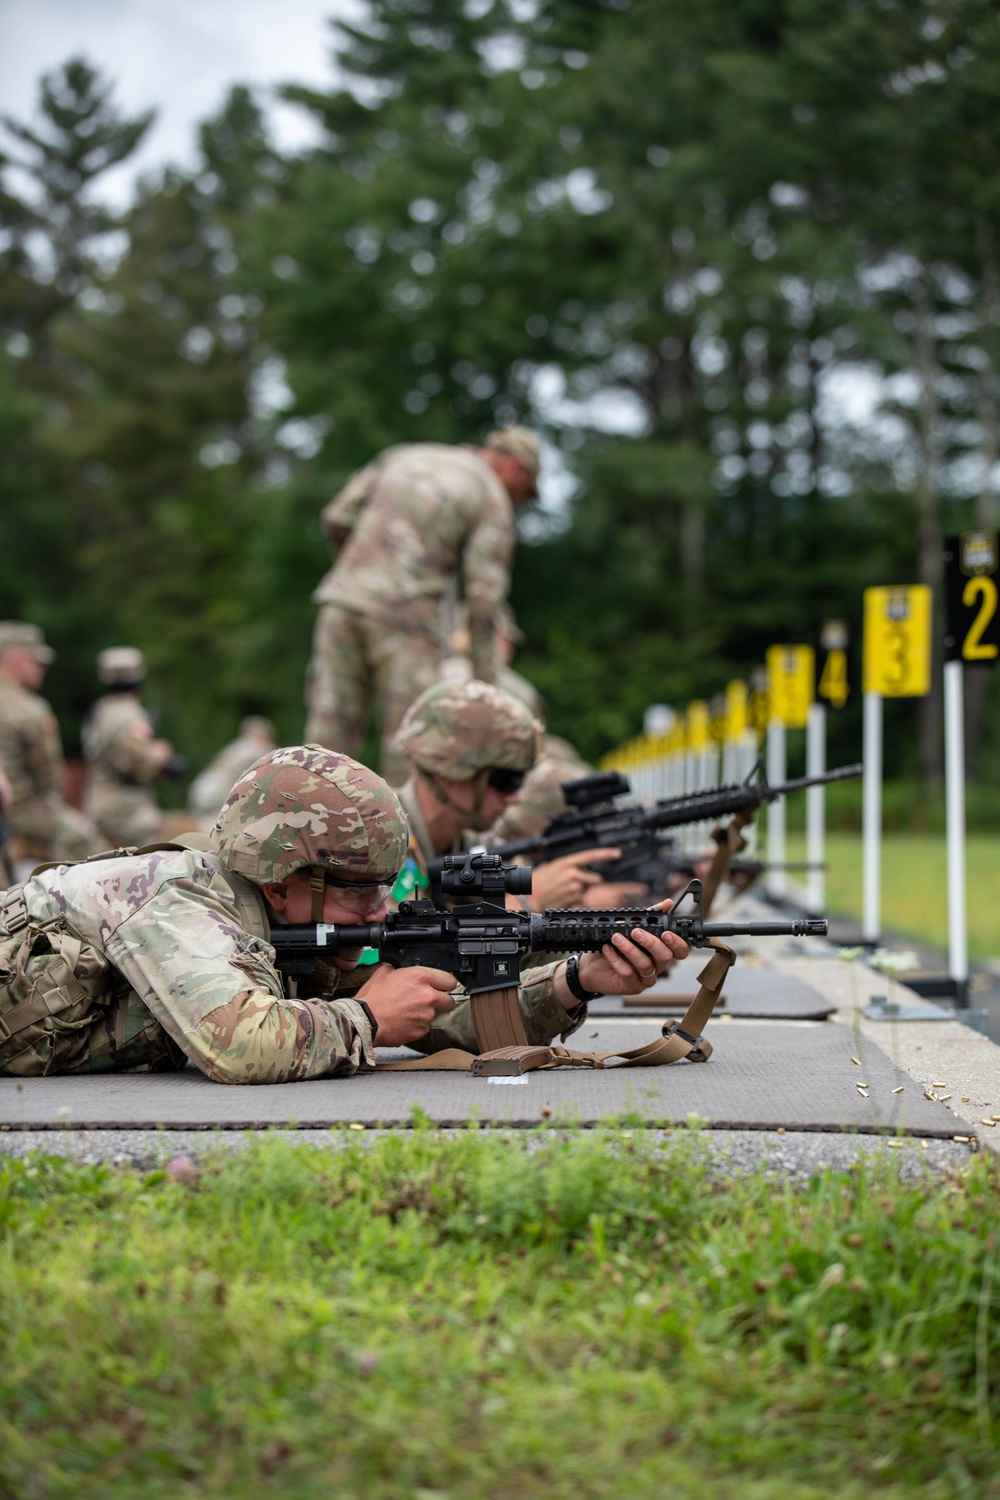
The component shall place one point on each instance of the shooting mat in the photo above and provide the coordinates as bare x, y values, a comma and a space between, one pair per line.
760, 994
761, 1077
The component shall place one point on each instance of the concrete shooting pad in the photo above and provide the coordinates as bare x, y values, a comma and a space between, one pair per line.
762, 1076
749, 992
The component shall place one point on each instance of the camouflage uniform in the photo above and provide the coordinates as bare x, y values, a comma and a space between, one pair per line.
41, 823
144, 962
409, 523
212, 786
117, 736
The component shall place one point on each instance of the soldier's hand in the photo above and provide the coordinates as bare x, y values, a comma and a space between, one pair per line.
627, 966
404, 1002
564, 881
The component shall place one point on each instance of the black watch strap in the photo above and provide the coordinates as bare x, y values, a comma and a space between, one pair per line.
573, 984
371, 1019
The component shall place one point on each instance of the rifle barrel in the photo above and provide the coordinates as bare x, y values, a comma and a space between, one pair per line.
841, 773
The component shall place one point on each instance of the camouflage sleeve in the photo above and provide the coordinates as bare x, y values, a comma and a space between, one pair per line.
128, 753
340, 515
42, 752
486, 576
544, 1016
215, 990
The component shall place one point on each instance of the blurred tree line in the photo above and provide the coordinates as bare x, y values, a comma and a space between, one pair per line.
679, 239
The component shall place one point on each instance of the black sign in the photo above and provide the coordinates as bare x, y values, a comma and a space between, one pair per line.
834, 677
972, 620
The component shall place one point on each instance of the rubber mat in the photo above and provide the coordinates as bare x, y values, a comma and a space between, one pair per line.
762, 1076
751, 993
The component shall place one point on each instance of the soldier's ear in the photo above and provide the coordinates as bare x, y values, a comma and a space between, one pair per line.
276, 894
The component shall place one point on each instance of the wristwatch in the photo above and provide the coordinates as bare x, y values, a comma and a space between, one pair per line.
573, 984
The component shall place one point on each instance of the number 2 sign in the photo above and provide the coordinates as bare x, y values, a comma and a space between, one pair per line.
972, 621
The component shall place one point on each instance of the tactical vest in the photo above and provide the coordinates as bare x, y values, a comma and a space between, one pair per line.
65, 1009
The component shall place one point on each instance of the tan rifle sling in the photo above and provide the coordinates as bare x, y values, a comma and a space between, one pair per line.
729, 841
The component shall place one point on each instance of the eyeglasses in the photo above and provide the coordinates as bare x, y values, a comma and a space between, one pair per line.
504, 781
360, 898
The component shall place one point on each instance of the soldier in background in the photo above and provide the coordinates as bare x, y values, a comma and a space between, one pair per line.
123, 753
458, 666
471, 746
411, 526
540, 801
41, 822
212, 786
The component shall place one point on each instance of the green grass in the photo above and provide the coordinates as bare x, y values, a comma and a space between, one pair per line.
915, 886
576, 1315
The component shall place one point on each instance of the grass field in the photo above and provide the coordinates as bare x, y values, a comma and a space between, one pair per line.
915, 886
588, 1316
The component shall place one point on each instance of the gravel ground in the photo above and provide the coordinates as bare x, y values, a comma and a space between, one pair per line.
786, 1154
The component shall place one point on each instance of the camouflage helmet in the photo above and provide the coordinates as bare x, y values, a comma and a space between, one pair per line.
457, 729
305, 807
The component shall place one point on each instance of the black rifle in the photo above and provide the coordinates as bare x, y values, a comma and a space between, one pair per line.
483, 943
593, 820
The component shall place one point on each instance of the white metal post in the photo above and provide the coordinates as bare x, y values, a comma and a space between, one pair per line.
954, 772
777, 879
816, 808
871, 921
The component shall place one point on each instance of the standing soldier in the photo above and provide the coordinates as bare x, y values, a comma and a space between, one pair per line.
123, 753
211, 787
42, 824
410, 526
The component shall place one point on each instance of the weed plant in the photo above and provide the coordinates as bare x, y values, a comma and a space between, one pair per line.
567, 1314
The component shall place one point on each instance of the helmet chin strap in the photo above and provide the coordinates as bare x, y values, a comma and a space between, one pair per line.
473, 815
317, 884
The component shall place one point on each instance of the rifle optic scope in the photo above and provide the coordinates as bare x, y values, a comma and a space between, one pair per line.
478, 876
595, 789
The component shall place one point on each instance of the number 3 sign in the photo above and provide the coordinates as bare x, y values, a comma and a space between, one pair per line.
972, 622
897, 641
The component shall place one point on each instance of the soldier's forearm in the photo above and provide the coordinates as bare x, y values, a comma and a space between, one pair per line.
256, 1038
482, 645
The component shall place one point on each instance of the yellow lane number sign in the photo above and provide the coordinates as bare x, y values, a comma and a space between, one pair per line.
790, 677
897, 641
972, 619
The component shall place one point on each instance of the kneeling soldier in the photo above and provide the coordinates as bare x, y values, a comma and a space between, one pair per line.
146, 961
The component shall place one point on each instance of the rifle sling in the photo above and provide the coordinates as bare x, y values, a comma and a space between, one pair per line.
683, 1039
729, 840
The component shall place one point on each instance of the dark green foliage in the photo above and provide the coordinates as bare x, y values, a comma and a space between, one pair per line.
660, 231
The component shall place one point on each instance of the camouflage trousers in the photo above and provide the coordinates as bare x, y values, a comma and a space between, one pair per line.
362, 667
125, 815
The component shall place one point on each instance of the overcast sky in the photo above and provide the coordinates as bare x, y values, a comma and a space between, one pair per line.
177, 55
